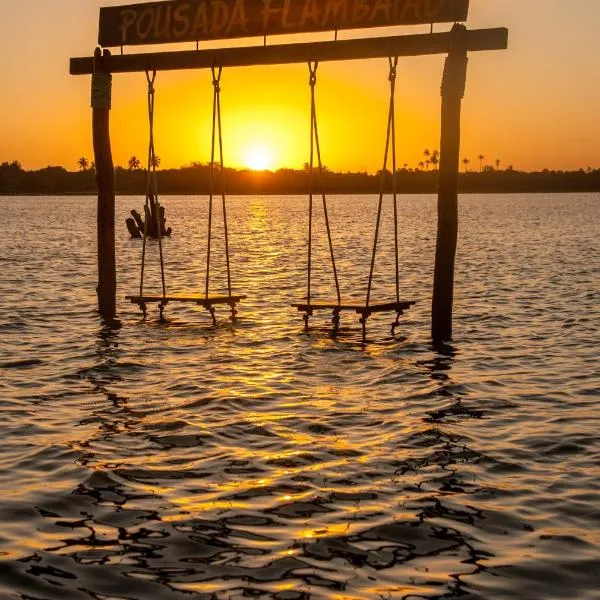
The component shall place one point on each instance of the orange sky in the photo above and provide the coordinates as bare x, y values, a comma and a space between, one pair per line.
533, 106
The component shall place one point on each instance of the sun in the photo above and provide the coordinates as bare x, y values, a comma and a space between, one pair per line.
258, 158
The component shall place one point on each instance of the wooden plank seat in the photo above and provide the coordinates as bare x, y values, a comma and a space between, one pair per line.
201, 300
359, 308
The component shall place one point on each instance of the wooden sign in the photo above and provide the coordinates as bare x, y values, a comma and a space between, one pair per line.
194, 20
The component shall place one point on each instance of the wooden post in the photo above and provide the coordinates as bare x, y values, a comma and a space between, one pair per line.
105, 181
453, 90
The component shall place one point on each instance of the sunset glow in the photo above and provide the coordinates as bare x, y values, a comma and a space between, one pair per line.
259, 158
270, 106
301, 299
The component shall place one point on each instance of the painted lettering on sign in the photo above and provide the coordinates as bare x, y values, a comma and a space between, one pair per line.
189, 20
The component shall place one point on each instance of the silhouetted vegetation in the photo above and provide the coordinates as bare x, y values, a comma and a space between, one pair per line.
195, 179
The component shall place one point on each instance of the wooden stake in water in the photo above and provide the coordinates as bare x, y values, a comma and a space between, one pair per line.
105, 181
453, 91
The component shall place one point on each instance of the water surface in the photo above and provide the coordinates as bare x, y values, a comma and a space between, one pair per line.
180, 460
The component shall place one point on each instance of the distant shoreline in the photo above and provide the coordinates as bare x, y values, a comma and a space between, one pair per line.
195, 181
275, 194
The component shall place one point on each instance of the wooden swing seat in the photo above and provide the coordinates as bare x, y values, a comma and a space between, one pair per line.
200, 300
359, 308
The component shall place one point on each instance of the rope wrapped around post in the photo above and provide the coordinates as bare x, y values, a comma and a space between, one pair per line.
101, 91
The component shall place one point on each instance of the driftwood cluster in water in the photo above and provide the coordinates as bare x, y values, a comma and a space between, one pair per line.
156, 223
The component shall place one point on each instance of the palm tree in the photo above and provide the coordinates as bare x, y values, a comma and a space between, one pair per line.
155, 161
466, 162
481, 158
83, 163
421, 165
435, 158
497, 164
134, 163
427, 154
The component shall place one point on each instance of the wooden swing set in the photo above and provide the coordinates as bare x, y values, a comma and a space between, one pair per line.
198, 21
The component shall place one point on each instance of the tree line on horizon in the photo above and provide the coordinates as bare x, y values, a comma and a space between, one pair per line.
431, 159
194, 179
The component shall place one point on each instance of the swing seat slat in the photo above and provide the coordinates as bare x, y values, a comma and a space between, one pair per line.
198, 299
358, 307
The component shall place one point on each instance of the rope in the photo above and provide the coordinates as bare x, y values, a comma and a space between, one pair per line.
216, 87
316, 146
152, 199
390, 140
217, 130
393, 69
312, 83
225, 228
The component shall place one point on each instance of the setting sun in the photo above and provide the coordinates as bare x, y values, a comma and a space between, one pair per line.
258, 158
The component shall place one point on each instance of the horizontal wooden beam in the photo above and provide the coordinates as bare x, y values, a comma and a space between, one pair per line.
404, 45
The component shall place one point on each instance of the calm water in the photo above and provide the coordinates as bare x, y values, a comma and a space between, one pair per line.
179, 460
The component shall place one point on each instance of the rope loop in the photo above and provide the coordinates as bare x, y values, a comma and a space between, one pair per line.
313, 73
393, 62
151, 78
216, 77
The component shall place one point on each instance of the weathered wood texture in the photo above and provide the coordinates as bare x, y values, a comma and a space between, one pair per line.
197, 20
105, 180
134, 230
405, 45
188, 298
357, 307
453, 90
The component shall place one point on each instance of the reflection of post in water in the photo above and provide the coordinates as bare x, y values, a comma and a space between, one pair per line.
107, 351
439, 368
440, 365
105, 373
450, 503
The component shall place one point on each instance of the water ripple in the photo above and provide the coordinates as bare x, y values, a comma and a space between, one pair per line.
169, 460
